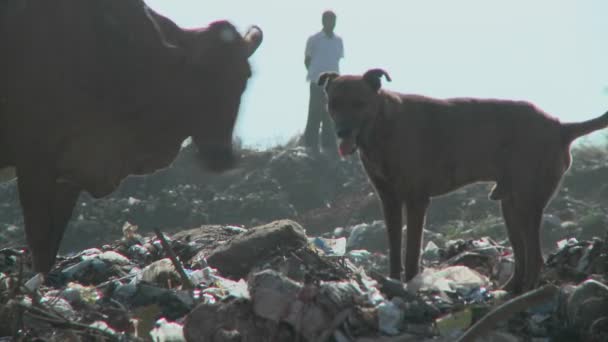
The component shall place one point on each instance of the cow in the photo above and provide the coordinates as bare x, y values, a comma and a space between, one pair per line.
92, 91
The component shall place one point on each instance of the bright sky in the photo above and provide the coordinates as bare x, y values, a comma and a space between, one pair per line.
553, 53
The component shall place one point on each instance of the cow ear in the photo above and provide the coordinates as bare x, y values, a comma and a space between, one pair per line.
326, 78
373, 76
253, 38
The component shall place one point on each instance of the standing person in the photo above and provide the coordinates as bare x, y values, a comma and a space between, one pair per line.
323, 53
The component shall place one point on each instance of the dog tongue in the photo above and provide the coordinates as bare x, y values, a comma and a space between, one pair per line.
346, 147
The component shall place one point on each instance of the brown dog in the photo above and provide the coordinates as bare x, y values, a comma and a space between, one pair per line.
414, 148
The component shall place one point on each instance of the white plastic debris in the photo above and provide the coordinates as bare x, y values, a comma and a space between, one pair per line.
333, 247
235, 229
565, 242
34, 283
60, 306
111, 257
450, 279
90, 252
75, 293
158, 271
234, 288
203, 276
103, 326
370, 289
431, 251
390, 316
129, 230
165, 331
358, 256
133, 201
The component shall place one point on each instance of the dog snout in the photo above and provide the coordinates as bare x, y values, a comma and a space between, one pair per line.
343, 133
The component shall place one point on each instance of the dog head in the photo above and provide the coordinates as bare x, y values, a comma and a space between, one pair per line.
352, 102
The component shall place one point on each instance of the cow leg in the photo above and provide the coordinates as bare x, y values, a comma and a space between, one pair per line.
47, 207
416, 214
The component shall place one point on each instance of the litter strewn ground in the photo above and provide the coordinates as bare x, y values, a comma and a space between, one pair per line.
291, 247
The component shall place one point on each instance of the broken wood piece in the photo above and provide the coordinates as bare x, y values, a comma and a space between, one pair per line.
186, 283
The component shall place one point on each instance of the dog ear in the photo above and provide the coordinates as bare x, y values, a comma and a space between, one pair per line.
326, 78
372, 77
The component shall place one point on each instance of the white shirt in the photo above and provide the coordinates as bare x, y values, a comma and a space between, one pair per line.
325, 53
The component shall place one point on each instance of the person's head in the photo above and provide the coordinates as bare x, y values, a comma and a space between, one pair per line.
329, 21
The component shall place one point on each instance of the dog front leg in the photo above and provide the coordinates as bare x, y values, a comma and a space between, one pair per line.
392, 207
416, 214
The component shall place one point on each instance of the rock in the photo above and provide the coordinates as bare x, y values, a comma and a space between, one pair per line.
244, 251
309, 309
232, 320
162, 273
587, 303
273, 294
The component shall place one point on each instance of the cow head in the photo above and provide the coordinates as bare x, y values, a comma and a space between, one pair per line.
223, 54
213, 71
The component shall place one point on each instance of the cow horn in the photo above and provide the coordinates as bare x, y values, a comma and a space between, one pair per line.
253, 39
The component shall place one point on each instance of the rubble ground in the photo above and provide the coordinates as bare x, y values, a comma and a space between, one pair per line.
291, 246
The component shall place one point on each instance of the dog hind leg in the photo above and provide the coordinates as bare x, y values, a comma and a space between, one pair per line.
517, 238
534, 258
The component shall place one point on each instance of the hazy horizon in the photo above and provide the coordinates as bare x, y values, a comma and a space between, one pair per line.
551, 53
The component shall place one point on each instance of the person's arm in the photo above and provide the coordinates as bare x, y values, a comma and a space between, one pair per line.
308, 53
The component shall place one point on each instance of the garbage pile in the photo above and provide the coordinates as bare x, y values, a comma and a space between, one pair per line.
292, 247
274, 283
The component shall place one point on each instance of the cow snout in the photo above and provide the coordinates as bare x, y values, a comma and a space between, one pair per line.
217, 158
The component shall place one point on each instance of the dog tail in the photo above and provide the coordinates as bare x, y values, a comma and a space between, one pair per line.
573, 130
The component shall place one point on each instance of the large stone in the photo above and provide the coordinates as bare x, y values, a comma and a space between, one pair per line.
232, 320
241, 254
587, 303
